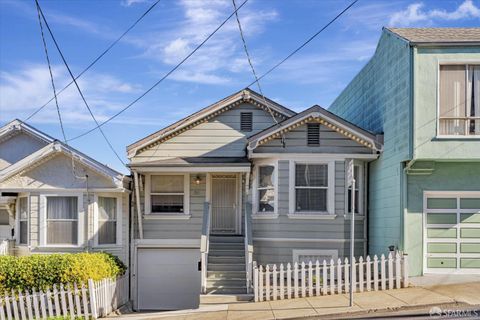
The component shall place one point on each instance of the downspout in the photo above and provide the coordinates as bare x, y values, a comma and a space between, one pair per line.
137, 201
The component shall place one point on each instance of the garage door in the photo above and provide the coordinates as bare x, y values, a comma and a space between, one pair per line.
452, 232
168, 279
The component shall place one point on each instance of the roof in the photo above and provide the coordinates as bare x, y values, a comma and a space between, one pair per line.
329, 119
16, 126
196, 161
246, 95
438, 35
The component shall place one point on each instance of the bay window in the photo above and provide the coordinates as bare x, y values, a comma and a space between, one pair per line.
167, 194
266, 189
107, 220
459, 95
62, 220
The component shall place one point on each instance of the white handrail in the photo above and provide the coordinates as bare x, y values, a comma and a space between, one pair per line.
204, 244
248, 246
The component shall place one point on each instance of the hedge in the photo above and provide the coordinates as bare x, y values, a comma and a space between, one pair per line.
42, 271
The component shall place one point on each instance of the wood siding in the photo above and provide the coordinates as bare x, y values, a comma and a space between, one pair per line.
219, 137
296, 142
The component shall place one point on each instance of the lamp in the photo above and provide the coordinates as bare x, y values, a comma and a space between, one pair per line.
198, 180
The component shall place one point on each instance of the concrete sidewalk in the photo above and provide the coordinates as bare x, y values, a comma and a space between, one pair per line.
367, 303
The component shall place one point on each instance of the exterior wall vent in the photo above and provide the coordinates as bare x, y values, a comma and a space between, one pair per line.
313, 134
246, 121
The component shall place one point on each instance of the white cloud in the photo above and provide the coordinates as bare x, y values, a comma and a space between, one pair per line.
128, 3
415, 13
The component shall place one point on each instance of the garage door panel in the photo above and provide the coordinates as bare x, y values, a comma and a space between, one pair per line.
441, 233
470, 203
441, 203
471, 263
470, 232
168, 279
440, 247
470, 217
441, 262
442, 218
470, 247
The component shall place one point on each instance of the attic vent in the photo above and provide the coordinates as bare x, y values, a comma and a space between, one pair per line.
313, 134
246, 120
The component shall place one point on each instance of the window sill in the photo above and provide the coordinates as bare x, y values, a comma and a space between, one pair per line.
156, 216
107, 246
358, 216
459, 137
313, 216
263, 216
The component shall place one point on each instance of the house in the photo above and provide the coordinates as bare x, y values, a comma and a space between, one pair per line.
57, 199
242, 180
421, 89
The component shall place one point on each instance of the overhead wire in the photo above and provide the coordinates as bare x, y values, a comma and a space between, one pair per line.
96, 59
76, 83
161, 79
198, 47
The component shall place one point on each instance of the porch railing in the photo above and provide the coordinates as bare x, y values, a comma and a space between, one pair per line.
204, 244
4, 247
248, 246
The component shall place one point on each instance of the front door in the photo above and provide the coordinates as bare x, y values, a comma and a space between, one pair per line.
224, 204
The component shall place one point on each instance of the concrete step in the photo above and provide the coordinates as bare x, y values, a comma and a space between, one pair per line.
225, 267
227, 274
226, 252
224, 239
226, 259
227, 283
209, 299
227, 290
226, 246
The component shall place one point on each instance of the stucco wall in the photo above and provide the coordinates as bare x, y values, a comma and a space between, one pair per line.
427, 146
378, 99
18, 147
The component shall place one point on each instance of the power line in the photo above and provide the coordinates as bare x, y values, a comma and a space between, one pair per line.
306, 42
96, 59
163, 78
250, 62
75, 81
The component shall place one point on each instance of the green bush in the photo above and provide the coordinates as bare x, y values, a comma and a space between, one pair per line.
42, 271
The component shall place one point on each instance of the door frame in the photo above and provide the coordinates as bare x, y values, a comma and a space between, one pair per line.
238, 199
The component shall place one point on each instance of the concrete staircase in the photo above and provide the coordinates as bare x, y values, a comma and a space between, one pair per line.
226, 272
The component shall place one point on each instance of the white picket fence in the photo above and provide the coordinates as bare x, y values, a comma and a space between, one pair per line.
310, 279
4, 247
92, 300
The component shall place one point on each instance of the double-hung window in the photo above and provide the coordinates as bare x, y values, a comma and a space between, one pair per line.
23, 220
459, 95
107, 220
311, 188
62, 220
167, 194
266, 189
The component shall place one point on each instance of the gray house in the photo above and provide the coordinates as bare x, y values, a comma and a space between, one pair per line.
54, 198
242, 180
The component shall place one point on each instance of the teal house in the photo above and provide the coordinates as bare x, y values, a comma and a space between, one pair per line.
421, 90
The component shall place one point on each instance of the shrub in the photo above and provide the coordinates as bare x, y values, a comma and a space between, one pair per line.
42, 271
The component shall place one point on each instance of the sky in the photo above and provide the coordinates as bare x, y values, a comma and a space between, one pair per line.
273, 29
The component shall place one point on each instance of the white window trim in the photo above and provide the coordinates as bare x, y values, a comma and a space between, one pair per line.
17, 220
330, 191
296, 253
361, 186
167, 215
441, 62
43, 220
119, 215
255, 199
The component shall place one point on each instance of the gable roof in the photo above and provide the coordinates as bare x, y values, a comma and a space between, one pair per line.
52, 149
321, 115
246, 95
438, 35
16, 126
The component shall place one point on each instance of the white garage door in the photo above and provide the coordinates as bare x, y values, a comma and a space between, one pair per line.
452, 232
168, 279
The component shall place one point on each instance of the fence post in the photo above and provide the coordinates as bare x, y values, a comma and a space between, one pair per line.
302, 279
324, 278
260, 285
383, 272
93, 300
332, 276
405, 270
255, 281
369, 273
282, 279
390, 271
267, 282
317, 275
295, 280
339, 276
347, 276
398, 270
274, 278
310, 279
375, 273
360, 274
289, 281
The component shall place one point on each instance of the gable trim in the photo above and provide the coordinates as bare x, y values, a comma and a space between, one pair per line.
202, 116
16, 126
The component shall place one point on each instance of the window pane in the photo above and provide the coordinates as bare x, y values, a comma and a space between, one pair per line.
357, 195
167, 203
452, 99
62, 208
473, 98
311, 200
23, 208
107, 208
62, 232
167, 184
315, 175
107, 232
266, 176
23, 232
266, 201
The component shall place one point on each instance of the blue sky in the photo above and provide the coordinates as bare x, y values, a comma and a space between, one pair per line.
316, 75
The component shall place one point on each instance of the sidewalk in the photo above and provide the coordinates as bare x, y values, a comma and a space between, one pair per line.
455, 296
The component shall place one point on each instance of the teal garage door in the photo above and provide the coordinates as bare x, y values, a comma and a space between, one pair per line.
452, 232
